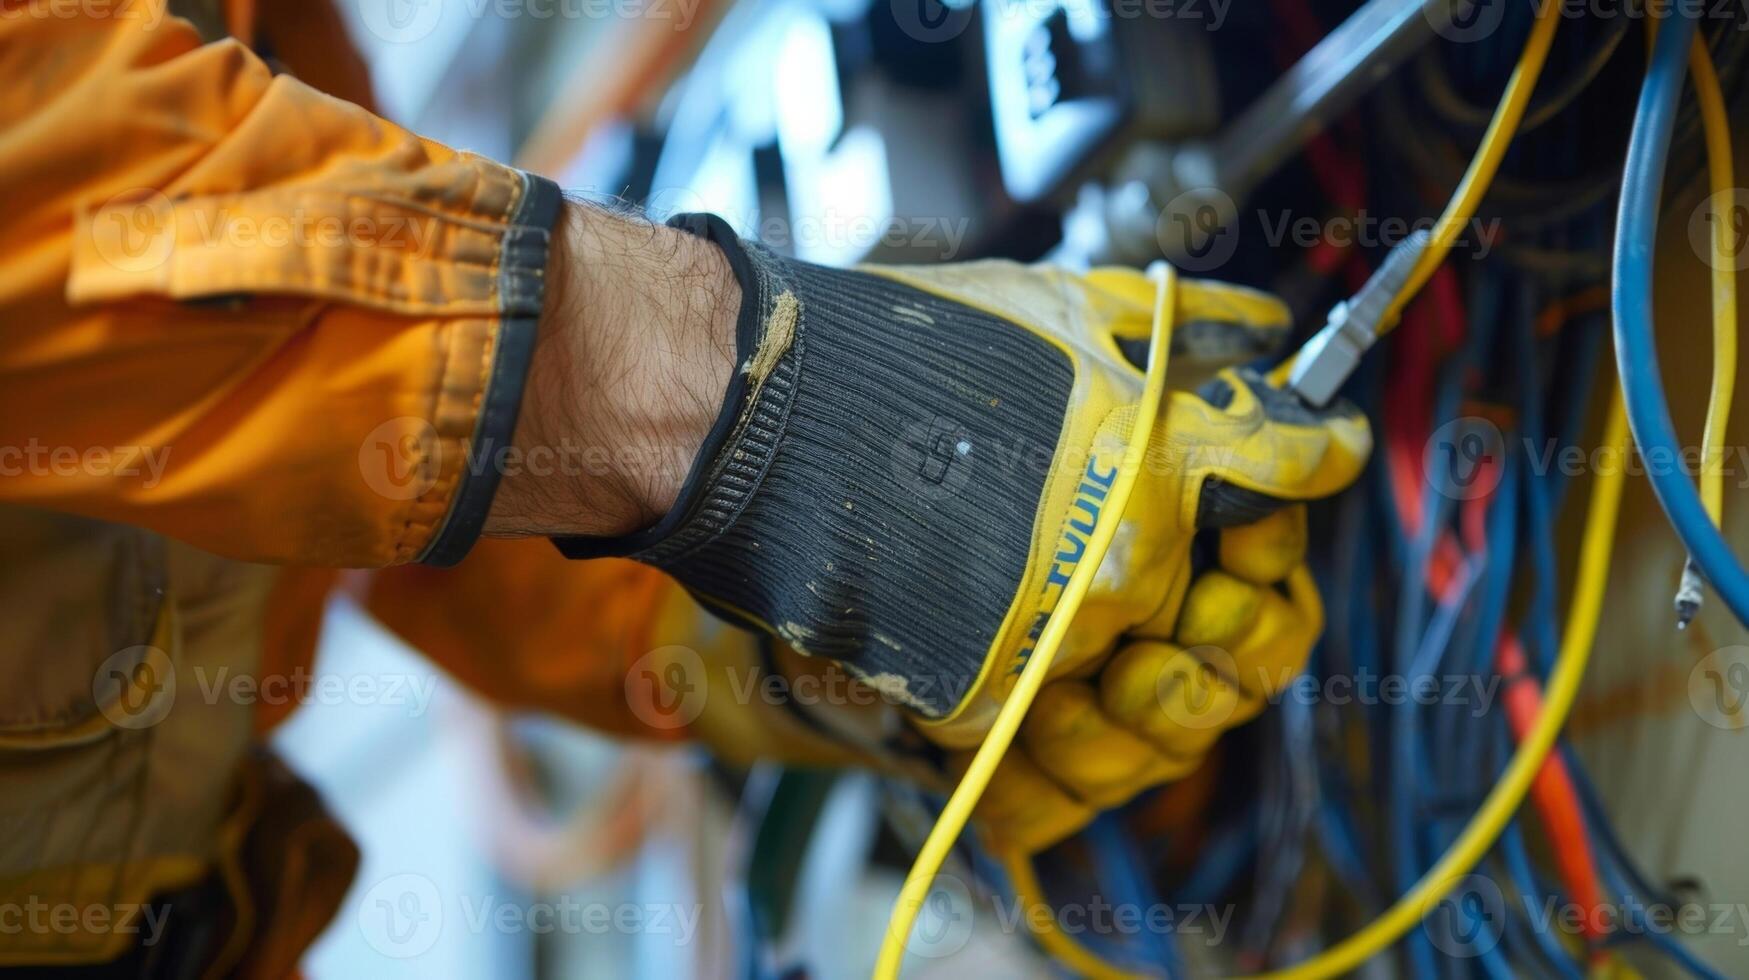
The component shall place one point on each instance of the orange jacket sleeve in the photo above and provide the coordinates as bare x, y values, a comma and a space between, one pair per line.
622, 648
526, 628
246, 314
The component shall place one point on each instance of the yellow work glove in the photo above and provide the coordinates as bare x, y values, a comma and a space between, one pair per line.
906, 471
1152, 710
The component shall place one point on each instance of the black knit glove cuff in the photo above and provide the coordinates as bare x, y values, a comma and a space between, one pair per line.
869, 491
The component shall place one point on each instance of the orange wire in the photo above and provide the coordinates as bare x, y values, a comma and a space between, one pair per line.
1552, 793
1555, 315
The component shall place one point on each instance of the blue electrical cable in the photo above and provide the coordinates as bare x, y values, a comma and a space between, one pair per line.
1437, 639
1222, 859
1492, 590
1585, 343
1491, 611
1405, 773
1497, 570
1341, 846
1540, 520
1517, 859
1119, 866
1636, 353
1364, 642
1527, 503
1421, 644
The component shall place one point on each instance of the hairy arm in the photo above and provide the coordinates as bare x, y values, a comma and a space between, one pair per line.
635, 349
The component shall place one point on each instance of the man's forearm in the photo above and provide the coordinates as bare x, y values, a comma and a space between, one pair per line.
636, 348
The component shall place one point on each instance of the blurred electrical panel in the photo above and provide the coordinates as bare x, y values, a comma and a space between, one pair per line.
909, 130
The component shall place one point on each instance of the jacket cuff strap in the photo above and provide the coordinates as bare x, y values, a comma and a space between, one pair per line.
522, 289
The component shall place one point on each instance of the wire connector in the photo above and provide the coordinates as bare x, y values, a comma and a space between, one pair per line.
1689, 594
1326, 360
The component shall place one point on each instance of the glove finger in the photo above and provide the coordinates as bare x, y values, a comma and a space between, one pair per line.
1265, 551
1215, 322
1253, 447
1219, 610
1022, 808
1214, 302
1097, 761
1267, 635
1177, 699
1243, 392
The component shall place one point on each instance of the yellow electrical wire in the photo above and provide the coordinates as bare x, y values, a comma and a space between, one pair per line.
983, 766
1468, 195
1717, 125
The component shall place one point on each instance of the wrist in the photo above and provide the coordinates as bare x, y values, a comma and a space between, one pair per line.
635, 351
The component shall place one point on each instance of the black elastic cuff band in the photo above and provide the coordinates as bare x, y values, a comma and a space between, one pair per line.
747, 331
